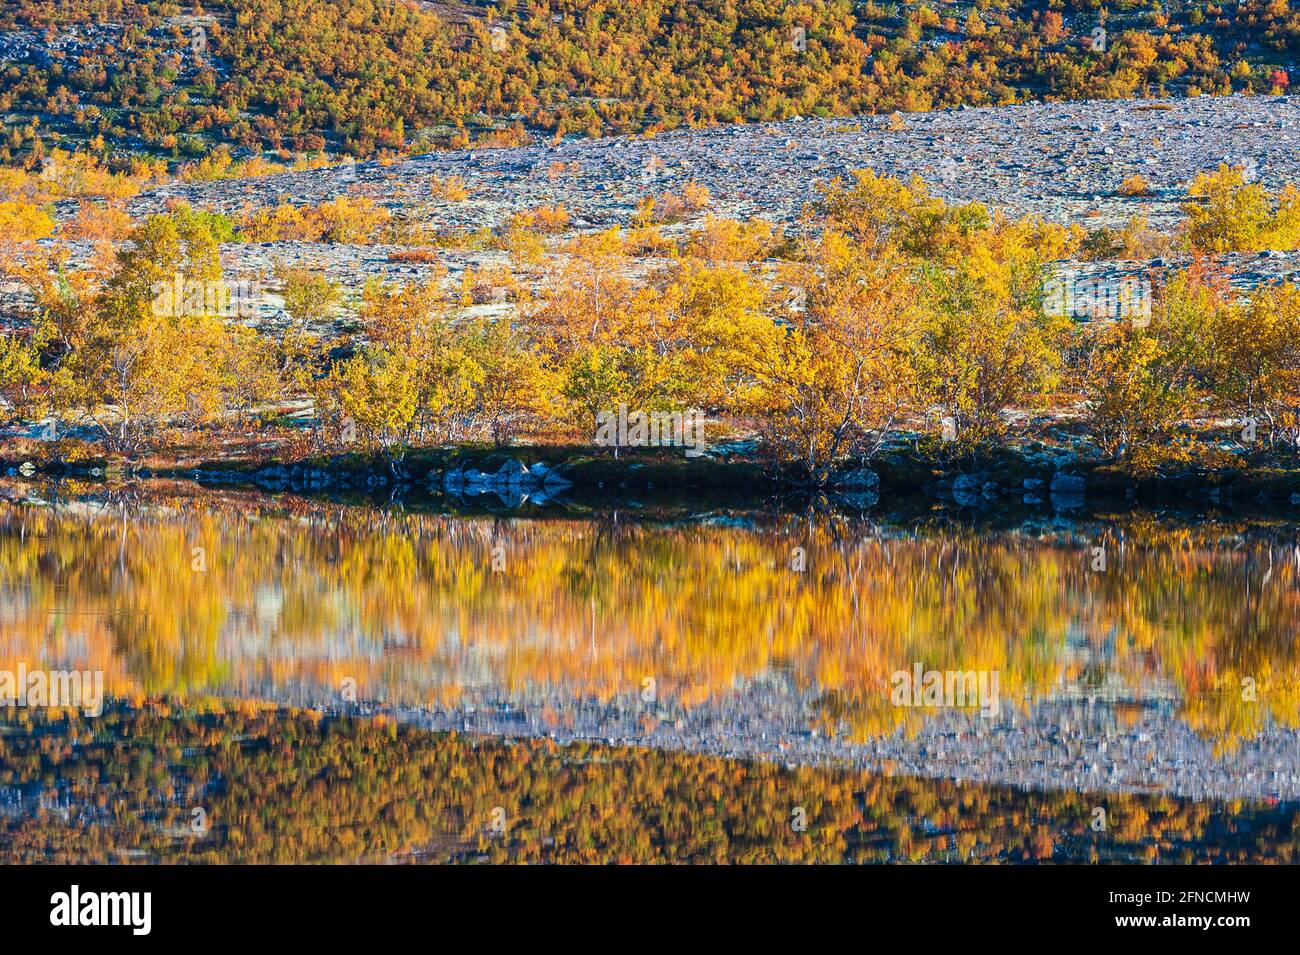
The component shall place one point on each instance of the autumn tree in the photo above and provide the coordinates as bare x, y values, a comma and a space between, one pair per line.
831, 384
1226, 213
1140, 381
20, 371
372, 399
1254, 362
984, 343
585, 299
141, 363
513, 390
418, 322
309, 297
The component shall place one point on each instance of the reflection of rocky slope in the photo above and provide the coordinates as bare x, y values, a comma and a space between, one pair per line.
1064, 744
291, 787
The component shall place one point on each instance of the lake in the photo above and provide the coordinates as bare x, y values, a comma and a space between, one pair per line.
297, 680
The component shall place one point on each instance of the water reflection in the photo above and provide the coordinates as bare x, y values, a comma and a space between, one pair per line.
276, 786
1172, 665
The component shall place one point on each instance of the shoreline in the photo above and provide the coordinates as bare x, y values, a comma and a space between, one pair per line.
576, 474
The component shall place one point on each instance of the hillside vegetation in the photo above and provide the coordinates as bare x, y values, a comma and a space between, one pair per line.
377, 76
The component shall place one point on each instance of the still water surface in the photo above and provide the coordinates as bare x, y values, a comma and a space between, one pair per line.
1140, 661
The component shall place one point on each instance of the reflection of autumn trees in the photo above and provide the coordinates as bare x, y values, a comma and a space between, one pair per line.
296, 787
410, 607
